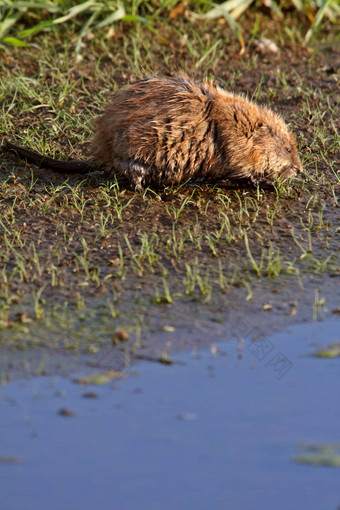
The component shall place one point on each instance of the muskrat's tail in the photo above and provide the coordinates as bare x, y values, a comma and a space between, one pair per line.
71, 166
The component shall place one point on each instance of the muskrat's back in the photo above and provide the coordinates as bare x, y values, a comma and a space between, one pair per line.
163, 125
165, 130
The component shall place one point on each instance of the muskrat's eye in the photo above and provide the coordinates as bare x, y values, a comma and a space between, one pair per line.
288, 149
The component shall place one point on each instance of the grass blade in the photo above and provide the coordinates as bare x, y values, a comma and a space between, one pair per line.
34, 30
112, 18
8, 22
74, 11
13, 41
317, 20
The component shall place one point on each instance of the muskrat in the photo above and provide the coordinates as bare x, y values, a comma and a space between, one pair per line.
161, 131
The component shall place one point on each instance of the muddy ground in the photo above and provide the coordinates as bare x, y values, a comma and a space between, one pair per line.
170, 269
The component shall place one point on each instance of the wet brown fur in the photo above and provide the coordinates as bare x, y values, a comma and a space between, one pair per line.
162, 131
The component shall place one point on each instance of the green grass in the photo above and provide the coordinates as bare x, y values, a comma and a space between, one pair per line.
21, 22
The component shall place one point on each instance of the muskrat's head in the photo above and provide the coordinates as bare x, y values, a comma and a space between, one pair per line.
274, 150
263, 148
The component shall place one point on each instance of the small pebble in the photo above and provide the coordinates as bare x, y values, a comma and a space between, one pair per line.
90, 394
66, 412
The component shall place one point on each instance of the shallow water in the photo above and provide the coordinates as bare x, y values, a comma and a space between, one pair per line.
218, 430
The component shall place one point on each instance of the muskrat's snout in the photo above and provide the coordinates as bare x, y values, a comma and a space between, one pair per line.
297, 167
294, 163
